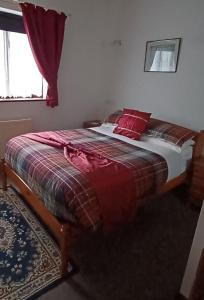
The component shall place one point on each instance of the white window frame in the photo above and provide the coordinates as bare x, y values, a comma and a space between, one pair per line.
14, 8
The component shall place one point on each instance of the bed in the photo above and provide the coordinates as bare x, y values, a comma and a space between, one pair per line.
63, 197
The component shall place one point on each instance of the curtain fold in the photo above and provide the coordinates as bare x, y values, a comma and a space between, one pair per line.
45, 31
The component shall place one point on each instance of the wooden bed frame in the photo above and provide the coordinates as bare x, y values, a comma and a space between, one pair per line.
65, 233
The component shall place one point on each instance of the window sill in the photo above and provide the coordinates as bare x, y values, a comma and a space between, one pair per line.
22, 100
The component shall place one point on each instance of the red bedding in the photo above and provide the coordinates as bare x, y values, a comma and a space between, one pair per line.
107, 177
105, 189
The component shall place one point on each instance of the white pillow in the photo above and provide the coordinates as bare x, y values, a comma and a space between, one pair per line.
160, 142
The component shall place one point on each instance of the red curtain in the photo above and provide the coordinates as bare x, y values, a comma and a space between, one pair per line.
45, 30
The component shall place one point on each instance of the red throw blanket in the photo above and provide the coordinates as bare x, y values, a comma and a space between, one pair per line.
112, 181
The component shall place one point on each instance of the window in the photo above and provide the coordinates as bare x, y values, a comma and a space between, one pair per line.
19, 75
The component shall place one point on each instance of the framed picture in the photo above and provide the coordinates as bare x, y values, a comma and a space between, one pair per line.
162, 55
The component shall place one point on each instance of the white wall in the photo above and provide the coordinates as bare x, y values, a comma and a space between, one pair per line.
177, 97
83, 76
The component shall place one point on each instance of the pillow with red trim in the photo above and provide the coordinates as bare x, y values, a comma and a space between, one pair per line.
132, 123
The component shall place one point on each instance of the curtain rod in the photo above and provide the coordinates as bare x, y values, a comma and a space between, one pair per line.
16, 2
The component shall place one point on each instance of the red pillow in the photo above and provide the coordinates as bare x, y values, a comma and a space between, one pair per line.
132, 123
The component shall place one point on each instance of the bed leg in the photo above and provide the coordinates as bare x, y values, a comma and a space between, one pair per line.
64, 247
4, 176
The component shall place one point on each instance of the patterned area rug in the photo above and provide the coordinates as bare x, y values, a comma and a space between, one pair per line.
29, 258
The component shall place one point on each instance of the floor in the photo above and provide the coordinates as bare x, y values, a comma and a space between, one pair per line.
144, 260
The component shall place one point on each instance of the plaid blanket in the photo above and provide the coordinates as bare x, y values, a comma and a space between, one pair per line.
169, 132
67, 192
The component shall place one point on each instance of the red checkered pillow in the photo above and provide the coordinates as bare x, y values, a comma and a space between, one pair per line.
171, 133
114, 117
132, 123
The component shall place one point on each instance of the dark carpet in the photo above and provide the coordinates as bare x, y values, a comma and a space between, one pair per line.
144, 260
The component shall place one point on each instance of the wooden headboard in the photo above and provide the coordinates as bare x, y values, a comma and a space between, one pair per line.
198, 149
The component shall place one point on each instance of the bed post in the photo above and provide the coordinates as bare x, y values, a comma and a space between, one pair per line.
64, 248
4, 176
198, 149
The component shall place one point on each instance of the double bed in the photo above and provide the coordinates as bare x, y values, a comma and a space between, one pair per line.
68, 199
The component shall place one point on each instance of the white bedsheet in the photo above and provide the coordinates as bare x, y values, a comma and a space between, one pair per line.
177, 162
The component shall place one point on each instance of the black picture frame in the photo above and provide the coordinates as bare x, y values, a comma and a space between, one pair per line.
157, 47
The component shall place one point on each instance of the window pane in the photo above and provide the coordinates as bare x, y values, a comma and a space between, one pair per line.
25, 79
163, 61
2, 69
